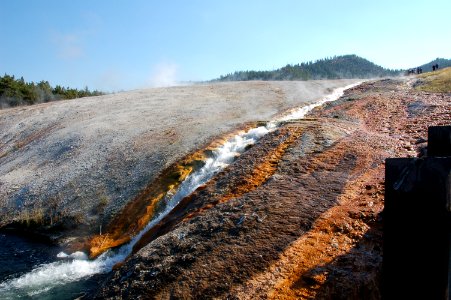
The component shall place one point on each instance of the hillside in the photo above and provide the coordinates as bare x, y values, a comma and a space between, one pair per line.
346, 66
438, 81
76, 163
298, 216
441, 62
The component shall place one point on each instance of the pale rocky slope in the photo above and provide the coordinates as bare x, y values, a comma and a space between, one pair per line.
74, 164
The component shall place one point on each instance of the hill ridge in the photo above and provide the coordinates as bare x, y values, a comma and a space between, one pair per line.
336, 67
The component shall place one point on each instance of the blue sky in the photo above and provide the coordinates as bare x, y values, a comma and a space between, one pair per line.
120, 45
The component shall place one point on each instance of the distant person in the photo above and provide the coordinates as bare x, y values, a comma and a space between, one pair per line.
436, 66
433, 68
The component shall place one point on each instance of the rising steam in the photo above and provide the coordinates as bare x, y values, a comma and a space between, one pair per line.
163, 75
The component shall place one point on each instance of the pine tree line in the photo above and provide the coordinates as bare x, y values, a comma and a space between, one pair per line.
16, 92
337, 67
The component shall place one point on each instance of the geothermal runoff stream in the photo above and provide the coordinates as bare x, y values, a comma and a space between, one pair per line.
43, 280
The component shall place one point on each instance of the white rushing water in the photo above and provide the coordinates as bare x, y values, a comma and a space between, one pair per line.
76, 266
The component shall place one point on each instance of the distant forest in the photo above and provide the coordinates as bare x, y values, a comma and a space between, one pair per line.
441, 62
337, 67
346, 66
16, 92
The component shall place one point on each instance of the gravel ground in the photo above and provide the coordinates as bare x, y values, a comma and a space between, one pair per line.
75, 164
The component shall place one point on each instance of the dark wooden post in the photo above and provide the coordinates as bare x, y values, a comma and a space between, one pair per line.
439, 141
416, 225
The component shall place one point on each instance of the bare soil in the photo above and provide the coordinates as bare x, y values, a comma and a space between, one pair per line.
299, 215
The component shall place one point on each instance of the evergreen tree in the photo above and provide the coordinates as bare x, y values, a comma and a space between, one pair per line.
15, 92
347, 66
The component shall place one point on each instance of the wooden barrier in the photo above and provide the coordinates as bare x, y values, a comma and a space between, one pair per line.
439, 141
417, 223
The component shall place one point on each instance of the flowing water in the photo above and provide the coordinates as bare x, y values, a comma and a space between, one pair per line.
42, 272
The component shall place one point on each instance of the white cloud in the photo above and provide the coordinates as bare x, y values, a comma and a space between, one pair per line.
71, 45
110, 81
164, 74
68, 46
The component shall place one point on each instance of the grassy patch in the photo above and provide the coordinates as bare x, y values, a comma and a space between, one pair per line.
438, 81
32, 216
